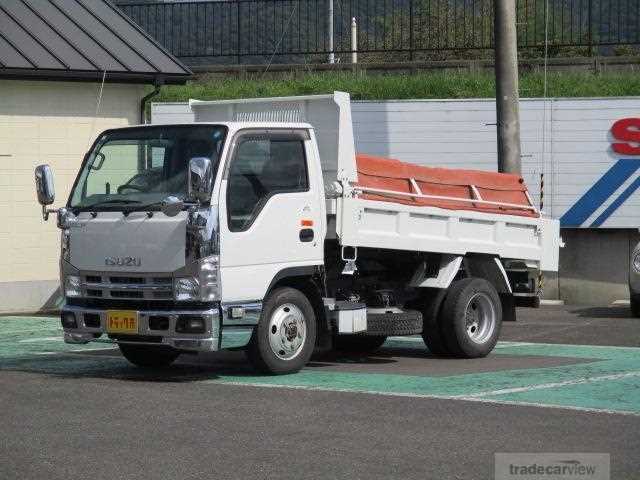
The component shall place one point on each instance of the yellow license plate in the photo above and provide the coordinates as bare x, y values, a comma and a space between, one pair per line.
122, 321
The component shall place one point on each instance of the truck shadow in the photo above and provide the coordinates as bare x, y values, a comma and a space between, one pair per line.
109, 364
382, 356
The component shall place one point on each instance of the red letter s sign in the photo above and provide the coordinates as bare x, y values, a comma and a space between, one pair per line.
626, 130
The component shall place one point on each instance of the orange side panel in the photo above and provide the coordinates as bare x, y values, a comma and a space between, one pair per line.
391, 174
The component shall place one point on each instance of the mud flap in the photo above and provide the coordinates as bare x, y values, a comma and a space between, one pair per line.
508, 302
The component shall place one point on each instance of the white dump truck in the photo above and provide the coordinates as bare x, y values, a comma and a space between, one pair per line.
257, 227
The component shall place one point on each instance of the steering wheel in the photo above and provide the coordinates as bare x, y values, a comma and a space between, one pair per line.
131, 186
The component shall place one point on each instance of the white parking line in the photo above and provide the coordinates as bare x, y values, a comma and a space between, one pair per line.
87, 352
428, 396
543, 386
514, 344
41, 339
32, 330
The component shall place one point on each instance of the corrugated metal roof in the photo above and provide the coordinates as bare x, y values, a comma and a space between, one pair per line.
80, 40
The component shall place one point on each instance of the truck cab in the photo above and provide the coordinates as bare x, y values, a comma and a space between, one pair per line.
150, 214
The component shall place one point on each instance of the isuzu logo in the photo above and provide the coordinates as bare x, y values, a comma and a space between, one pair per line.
123, 261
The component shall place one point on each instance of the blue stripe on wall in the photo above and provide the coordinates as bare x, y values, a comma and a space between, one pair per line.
616, 203
600, 192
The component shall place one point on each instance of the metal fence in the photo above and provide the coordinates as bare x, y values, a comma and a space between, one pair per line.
255, 31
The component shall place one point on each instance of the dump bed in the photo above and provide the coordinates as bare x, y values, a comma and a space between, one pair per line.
401, 206
390, 180
388, 204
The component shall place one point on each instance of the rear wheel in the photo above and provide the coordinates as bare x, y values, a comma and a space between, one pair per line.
635, 305
285, 337
471, 318
148, 356
359, 343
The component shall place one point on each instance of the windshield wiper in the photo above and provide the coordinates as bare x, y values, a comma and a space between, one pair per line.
153, 205
146, 206
115, 201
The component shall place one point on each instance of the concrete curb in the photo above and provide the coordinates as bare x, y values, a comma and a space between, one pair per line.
547, 302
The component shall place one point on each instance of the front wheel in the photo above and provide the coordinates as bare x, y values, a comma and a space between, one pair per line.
285, 336
471, 318
148, 356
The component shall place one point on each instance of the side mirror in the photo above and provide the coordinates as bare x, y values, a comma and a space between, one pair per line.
44, 189
44, 185
200, 179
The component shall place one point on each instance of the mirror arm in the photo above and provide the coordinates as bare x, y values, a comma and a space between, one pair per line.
46, 211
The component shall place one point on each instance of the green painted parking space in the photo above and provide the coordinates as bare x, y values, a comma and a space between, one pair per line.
23, 337
602, 379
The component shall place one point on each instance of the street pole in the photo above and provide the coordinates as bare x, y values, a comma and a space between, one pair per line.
354, 41
332, 58
507, 98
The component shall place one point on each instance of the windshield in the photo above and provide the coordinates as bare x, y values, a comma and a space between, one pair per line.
141, 166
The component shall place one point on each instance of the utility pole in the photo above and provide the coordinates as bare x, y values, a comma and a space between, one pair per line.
332, 58
507, 97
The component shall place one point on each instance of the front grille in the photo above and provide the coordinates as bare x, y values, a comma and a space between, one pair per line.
127, 287
137, 304
126, 294
163, 295
133, 280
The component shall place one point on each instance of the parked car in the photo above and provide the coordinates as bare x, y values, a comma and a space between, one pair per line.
634, 281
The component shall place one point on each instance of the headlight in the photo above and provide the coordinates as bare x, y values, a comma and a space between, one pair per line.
636, 262
204, 287
186, 288
72, 286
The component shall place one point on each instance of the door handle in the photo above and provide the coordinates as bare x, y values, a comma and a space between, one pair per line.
306, 235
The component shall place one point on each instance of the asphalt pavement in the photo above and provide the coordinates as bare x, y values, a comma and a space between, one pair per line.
562, 379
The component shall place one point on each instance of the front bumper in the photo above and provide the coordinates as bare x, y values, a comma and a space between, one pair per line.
89, 329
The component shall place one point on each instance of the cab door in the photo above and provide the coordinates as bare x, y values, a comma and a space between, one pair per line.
271, 211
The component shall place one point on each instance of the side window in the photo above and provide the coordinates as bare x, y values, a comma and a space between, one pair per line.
263, 167
157, 156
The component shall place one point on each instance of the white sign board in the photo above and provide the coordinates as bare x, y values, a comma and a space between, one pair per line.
591, 173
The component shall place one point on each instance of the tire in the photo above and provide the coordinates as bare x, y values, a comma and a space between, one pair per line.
148, 356
285, 336
635, 305
432, 325
359, 343
384, 324
471, 318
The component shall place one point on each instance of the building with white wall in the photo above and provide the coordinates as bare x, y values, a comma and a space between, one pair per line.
68, 70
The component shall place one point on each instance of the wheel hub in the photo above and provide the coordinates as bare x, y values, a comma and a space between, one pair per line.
291, 330
287, 331
480, 317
